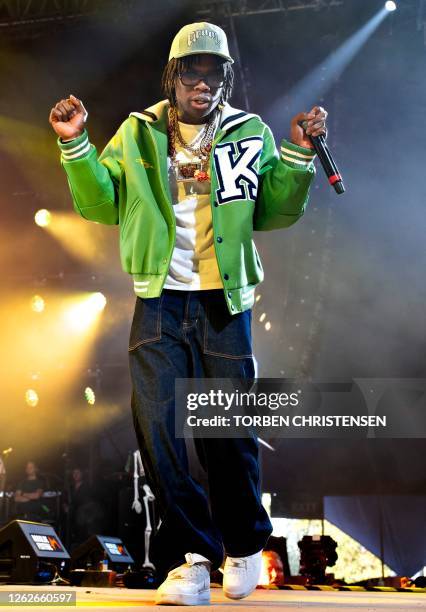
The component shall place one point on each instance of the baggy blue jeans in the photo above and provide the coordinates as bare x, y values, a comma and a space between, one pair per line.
185, 334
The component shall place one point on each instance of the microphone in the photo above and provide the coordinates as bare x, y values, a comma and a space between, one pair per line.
326, 159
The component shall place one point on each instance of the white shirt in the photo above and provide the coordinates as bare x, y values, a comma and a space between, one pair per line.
193, 265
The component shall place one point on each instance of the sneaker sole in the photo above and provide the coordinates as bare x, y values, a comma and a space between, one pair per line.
178, 599
238, 595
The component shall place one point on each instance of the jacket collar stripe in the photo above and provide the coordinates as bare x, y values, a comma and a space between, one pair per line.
230, 116
231, 119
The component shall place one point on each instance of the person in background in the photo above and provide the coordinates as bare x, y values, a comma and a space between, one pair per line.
28, 495
79, 507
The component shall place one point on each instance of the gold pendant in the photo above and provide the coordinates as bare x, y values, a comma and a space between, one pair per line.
190, 171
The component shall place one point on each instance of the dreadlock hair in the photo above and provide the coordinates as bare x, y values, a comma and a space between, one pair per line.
177, 65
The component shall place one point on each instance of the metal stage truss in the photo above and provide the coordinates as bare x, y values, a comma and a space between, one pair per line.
238, 8
15, 12
22, 12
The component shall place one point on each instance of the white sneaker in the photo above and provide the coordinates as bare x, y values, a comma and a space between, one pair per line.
188, 584
241, 575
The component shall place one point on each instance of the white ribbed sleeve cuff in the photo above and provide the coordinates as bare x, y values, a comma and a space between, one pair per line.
75, 149
297, 157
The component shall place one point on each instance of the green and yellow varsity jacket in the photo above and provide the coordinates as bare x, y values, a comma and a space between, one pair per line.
252, 188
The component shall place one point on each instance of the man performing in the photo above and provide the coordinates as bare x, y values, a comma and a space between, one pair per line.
188, 180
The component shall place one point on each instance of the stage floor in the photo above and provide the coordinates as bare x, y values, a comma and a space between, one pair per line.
321, 601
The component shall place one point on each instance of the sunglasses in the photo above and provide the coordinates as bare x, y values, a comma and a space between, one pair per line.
212, 79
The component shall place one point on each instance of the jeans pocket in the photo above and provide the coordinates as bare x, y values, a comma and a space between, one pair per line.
146, 324
226, 335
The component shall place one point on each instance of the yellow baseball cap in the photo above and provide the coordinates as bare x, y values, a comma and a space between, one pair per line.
202, 37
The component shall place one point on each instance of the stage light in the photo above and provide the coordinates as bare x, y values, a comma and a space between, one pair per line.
43, 217
267, 326
37, 303
31, 397
262, 317
98, 301
90, 396
80, 316
314, 85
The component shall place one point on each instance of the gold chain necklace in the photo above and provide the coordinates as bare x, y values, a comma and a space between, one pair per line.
202, 148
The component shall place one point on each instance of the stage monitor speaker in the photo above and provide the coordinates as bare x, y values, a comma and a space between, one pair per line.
94, 551
30, 553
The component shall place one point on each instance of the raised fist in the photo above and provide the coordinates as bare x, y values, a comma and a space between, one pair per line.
68, 117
